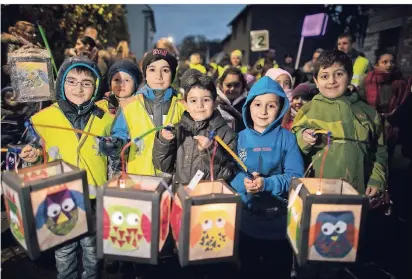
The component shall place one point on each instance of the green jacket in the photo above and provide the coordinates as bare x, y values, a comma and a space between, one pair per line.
357, 152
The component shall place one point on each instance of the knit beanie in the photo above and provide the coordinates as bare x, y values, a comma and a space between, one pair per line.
304, 89
159, 54
127, 66
273, 73
237, 53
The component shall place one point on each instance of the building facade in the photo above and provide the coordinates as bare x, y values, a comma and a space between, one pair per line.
390, 28
284, 23
142, 28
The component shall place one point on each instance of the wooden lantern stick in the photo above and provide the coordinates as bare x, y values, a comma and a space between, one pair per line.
233, 154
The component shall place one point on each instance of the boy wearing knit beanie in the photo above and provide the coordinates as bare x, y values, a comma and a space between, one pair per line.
155, 104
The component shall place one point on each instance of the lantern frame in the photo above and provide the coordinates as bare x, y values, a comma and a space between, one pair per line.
187, 201
309, 199
24, 189
155, 197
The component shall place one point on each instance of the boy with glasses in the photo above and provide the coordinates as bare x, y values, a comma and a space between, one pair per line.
77, 87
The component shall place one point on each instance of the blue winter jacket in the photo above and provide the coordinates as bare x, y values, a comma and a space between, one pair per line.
275, 155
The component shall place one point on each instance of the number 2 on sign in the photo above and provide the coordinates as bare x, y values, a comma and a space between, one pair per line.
261, 41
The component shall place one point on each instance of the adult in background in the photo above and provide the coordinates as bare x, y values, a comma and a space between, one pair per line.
289, 64
264, 64
23, 33
305, 74
361, 65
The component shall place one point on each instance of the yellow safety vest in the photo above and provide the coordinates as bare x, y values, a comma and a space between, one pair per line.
217, 68
103, 104
261, 62
198, 67
360, 67
243, 69
138, 122
82, 152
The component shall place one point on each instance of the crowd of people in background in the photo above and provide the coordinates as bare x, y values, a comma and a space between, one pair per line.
270, 104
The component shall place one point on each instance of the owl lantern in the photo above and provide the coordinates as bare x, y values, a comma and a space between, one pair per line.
326, 226
205, 223
133, 218
47, 205
31, 75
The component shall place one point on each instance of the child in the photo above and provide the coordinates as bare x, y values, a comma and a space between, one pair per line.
187, 150
301, 95
77, 86
273, 156
383, 89
283, 78
232, 95
124, 78
236, 61
155, 104
357, 152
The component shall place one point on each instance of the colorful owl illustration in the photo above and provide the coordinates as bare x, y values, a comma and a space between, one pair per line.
334, 234
16, 222
212, 231
124, 227
176, 219
59, 210
294, 221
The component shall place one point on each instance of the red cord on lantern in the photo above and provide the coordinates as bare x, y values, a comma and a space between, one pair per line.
319, 189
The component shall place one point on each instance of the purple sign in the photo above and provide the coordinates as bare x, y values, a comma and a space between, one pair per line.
314, 25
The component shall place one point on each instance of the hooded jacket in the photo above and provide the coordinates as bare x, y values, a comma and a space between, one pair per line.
275, 155
182, 157
357, 152
75, 148
78, 115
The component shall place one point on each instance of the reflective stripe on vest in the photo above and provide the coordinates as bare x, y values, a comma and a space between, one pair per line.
139, 121
359, 70
82, 152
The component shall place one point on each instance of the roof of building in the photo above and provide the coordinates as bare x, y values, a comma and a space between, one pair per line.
240, 14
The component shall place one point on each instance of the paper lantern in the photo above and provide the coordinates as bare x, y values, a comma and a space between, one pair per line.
47, 205
133, 218
327, 227
205, 223
31, 75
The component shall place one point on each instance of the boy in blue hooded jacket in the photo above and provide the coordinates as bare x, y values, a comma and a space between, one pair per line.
272, 155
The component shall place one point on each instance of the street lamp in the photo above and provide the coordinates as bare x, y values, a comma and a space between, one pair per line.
170, 38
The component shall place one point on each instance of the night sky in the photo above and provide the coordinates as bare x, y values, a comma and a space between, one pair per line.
179, 21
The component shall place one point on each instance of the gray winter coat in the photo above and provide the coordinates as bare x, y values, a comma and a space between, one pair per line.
182, 157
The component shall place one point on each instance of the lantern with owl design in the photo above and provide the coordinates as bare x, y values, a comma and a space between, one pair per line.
47, 205
205, 223
325, 226
133, 218
31, 75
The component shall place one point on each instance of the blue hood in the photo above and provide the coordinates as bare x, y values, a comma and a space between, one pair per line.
69, 64
265, 85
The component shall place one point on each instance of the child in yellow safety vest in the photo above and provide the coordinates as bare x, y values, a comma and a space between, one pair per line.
155, 104
77, 86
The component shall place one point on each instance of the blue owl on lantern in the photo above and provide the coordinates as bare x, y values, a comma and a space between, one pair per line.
334, 234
